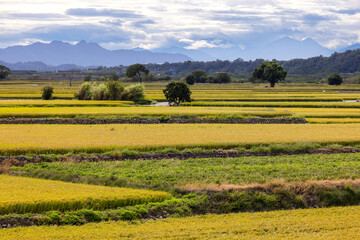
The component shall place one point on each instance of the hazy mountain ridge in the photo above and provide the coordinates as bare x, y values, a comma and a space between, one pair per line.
83, 54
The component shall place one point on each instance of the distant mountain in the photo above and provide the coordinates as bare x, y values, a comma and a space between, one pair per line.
196, 55
352, 47
282, 49
83, 54
289, 48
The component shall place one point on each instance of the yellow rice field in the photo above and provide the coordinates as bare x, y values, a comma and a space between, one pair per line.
89, 138
23, 195
86, 110
330, 223
34, 103
333, 120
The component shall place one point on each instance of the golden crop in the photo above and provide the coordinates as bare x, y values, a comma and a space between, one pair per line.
23, 195
333, 120
32, 103
71, 111
62, 138
326, 223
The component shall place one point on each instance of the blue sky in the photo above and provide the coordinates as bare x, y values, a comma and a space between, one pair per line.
189, 24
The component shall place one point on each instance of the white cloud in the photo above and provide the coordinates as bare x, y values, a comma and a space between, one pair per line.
191, 24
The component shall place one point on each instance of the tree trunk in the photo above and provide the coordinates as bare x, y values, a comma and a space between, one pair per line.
272, 84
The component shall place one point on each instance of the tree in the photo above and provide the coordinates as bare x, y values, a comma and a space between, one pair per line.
87, 78
223, 77
190, 79
177, 92
335, 79
114, 77
200, 75
137, 71
47, 92
4, 72
271, 72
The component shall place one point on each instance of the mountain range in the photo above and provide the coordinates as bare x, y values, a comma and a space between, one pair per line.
64, 56
83, 54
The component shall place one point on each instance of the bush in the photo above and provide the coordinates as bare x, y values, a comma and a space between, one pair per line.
128, 215
223, 77
87, 78
47, 92
114, 89
133, 92
335, 79
200, 75
190, 79
85, 92
99, 92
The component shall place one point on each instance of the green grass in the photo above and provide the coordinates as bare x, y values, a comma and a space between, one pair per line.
242, 170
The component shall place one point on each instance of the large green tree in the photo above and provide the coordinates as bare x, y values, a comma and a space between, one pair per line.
137, 71
4, 72
271, 72
177, 92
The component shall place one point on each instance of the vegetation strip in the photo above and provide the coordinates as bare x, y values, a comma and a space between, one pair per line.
339, 223
169, 173
308, 104
45, 138
168, 153
26, 195
135, 120
264, 197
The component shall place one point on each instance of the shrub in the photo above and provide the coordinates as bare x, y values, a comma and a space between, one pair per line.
99, 92
85, 92
190, 79
223, 77
114, 89
47, 92
334, 79
128, 215
87, 78
133, 92
200, 75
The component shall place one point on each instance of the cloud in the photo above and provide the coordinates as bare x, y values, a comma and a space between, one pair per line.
203, 23
313, 19
34, 16
347, 11
93, 12
196, 44
143, 23
89, 32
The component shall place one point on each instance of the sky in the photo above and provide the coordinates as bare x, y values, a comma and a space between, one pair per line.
127, 24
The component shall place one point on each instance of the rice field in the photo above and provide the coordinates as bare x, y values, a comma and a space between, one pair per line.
285, 104
60, 103
135, 111
27, 195
100, 138
326, 223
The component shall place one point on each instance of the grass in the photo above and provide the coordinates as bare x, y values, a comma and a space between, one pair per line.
42, 138
330, 223
198, 172
22, 195
285, 104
